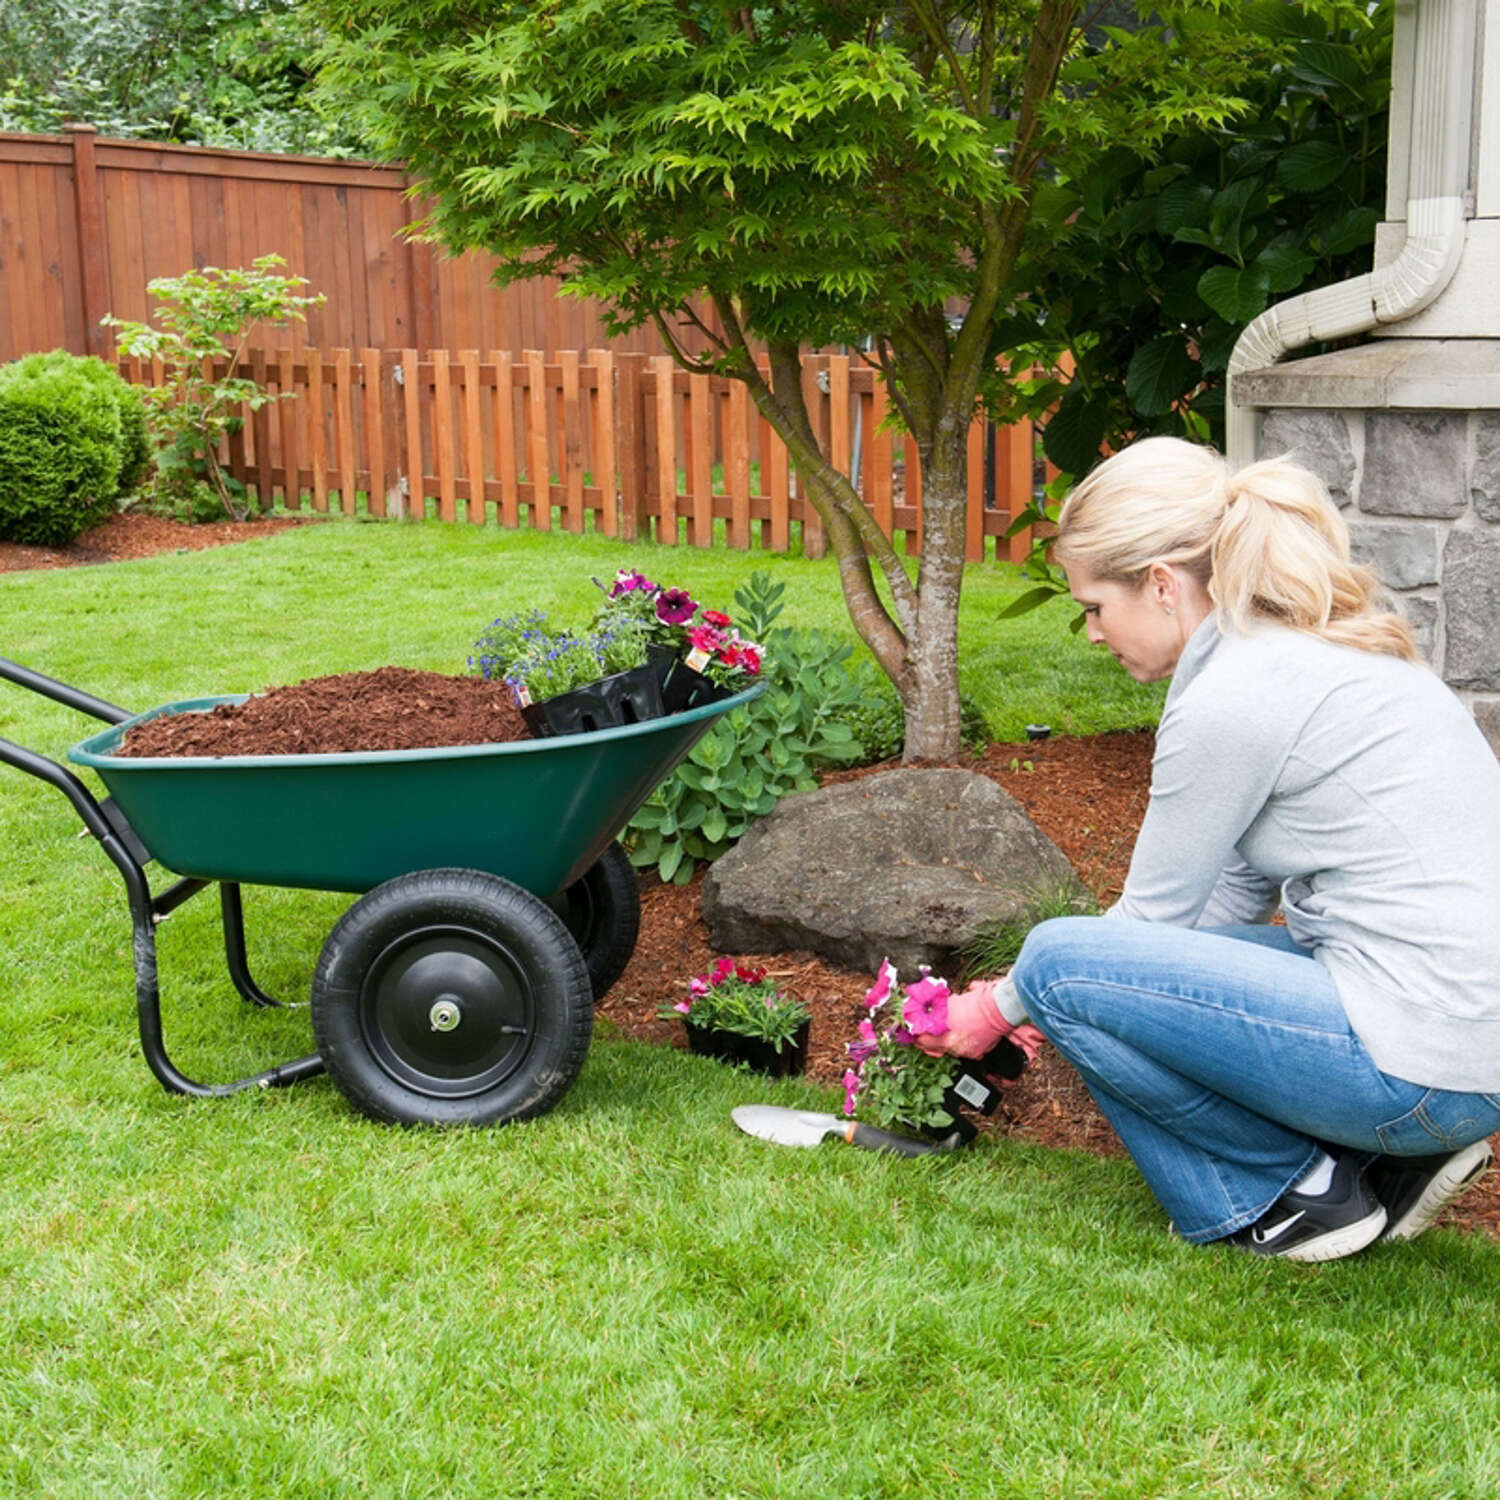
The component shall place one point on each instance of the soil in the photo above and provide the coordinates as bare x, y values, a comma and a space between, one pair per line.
131, 535
1088, 795
393, 708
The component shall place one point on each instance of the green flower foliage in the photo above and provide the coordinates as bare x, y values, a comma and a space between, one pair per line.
758, 754
72, 441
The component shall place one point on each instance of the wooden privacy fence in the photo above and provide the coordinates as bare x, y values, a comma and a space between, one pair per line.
626, 444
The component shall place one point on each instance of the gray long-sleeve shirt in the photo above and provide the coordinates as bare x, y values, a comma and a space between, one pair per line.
1358, 790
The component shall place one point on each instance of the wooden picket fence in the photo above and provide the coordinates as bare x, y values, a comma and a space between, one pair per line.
626, 444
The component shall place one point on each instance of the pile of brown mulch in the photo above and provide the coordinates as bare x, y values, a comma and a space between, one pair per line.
394, 708
1088, 795
131, 535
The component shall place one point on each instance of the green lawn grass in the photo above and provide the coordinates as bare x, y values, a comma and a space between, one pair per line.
268, 1295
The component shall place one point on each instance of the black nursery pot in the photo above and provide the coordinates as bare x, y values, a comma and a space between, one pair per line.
759, 1056
971, 1090
687, 688
625, 698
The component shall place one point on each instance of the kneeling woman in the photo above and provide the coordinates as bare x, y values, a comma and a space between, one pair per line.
1299, 1090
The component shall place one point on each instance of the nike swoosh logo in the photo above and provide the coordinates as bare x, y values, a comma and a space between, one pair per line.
1265, 1236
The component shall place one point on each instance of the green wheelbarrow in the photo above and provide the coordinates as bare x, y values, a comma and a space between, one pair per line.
494, 904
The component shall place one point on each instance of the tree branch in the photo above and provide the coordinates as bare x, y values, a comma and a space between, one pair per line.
687, 361
932, 25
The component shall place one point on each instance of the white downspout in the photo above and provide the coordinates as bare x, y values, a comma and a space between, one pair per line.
1436, 210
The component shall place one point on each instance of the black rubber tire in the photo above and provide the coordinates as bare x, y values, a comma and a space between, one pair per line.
602, 909
460, 947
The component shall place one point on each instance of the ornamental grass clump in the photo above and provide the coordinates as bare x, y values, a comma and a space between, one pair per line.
742, 999
890, 1081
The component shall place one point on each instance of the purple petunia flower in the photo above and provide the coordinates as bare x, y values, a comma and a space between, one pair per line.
674, 606
926, 1007
627, 581
859, 1051
902, 1036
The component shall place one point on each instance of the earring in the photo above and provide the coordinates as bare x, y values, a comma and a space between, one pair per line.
1169, 609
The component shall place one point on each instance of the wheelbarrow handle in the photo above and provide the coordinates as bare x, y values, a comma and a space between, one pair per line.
49, 687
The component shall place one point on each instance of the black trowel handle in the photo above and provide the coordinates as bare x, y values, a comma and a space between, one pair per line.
873, 1138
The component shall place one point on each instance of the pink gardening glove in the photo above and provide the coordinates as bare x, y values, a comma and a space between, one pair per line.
975, 1025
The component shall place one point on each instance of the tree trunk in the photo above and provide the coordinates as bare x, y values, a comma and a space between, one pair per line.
929, 689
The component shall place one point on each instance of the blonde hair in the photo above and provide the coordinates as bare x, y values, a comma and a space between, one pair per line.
1267, 543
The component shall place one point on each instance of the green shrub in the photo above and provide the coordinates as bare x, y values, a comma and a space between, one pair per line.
71, 430
878, 721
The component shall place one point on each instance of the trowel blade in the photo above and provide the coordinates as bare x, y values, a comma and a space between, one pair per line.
787, 1127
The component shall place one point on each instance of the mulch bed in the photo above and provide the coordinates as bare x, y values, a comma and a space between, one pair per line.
1088, 796
130, 535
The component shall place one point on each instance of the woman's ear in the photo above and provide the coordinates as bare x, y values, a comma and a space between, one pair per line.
1164, 587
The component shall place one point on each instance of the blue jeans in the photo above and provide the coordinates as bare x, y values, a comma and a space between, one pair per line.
1224, 1061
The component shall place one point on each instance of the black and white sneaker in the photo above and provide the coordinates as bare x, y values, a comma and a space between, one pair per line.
1416, 1189
1339, 1221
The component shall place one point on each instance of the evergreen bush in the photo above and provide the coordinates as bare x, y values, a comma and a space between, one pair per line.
72, 440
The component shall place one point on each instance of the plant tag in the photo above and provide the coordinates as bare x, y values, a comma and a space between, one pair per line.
523, 698
697, 658
972, 1090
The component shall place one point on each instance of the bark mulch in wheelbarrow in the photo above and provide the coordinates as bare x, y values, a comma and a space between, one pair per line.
393, 708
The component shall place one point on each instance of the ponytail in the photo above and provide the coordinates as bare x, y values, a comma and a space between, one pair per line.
1267, 543
1281, 553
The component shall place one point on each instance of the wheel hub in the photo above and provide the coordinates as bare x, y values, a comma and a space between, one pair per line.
447, 1011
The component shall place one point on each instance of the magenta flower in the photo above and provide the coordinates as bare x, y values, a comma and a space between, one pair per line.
867, 1030
926, 1006
627, 581
684, 1006
879, 992
675, 606
851, 1090
859, 1051
902, 1036
722, 969
698, 985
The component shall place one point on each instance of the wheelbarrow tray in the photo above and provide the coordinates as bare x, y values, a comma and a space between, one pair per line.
537, 812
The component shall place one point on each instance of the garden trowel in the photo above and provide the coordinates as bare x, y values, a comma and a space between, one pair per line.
805, 1127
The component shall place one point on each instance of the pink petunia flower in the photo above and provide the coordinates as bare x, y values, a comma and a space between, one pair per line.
859, 1051
867, 1030
880, 991
851, 1090
705, 638
902, 1036
675, 606
926, 1006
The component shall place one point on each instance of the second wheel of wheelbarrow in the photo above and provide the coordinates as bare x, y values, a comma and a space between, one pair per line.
602, 909
451, 997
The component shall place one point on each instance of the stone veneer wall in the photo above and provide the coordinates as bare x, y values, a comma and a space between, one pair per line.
1420, 491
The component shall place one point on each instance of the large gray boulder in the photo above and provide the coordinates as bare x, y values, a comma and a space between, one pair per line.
905, 865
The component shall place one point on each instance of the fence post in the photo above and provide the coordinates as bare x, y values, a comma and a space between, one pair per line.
632, 446
88, 202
